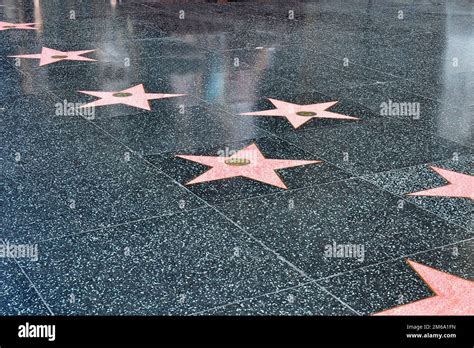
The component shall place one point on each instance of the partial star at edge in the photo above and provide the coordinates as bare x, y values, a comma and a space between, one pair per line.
18, 26
459, 185
49, 56
452, 295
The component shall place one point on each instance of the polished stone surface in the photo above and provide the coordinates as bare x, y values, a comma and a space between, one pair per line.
301, 224
59, 201
178, 264
373, 147
104, 197
307, 299
19, 296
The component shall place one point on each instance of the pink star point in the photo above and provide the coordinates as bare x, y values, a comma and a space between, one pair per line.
248, 162
297, 114
19, 26
134, 96
49, 56
459, 185
453, 295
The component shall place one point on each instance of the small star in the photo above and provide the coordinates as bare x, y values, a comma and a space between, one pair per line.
297, 114
459, 185
453, 295
20, 26
248, 162
133, 96
49, 56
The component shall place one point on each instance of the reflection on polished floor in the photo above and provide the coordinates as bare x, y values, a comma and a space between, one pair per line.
270, 157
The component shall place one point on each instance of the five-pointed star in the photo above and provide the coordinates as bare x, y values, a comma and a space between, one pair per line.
460, 185
248, 162
23, 26
297, 114
453, 295
48, 56
133, 96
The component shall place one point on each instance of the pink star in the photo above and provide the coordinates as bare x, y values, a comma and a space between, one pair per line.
48, 56
133, 96
460, 185
21, 26
453, 295
248, 162
297, 114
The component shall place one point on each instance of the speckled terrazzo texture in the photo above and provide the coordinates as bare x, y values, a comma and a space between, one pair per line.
104, 199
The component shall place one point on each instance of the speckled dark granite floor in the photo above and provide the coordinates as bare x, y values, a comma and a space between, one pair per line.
105, 208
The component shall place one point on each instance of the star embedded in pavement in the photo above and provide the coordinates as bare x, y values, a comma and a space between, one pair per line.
297, 114
21, 26
248, 162
460, 185
48, 56
133, 96
453, 295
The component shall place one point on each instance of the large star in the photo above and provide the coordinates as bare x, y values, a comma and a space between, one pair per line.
297, 114
453, 295
133, 96
21, 26
48, 56
460, 185
248, 162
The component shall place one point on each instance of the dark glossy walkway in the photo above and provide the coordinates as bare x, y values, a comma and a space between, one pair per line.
280, 157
